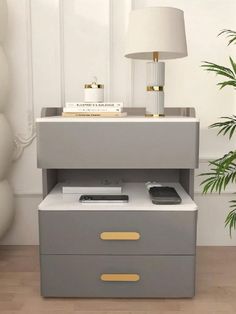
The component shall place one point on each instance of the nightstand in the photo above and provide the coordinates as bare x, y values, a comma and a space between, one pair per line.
133, 250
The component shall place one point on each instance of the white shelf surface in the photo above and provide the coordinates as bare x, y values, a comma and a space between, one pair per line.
123, 119
139, 200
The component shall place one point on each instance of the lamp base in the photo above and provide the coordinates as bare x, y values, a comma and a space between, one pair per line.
155, 86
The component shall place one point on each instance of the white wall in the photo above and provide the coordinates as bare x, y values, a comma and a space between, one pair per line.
56, 46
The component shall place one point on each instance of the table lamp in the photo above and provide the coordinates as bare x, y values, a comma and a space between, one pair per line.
156, 33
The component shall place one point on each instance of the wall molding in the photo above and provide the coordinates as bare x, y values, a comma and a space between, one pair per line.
62, 51
132, 69
206, 159
109, 90
214, 194
22, 141
30, 57
30, 195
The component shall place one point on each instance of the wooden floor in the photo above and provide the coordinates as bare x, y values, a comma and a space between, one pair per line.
19, 288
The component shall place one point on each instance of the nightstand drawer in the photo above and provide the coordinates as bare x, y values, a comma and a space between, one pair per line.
78, 144
117, 276
118, 232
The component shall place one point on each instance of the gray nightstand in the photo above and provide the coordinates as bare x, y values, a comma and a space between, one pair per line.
132, 250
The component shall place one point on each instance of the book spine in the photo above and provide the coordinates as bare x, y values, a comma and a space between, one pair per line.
94, 114
100, 109
94, 105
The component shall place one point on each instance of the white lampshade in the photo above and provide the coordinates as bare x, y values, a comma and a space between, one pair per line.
156, 29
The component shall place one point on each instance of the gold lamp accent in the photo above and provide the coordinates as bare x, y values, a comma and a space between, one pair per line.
155, 56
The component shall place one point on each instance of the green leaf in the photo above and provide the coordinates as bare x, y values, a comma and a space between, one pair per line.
230, 34
233, 64
230, 220
215, 67
226, 130
232, 131
227, 83
220, 72
233, 40
227, 126
223, 171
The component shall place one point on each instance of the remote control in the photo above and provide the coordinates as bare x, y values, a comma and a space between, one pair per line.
164, 195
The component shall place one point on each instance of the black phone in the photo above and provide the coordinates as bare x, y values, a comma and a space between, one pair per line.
104, 198
164, 195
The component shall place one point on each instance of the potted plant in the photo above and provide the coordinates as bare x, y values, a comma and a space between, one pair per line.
223, 170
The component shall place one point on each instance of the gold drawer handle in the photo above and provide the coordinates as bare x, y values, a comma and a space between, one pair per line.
124, 236
120, 277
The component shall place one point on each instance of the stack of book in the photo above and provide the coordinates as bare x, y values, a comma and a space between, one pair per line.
100, 109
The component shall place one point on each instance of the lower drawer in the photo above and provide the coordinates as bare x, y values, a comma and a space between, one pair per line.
117, 276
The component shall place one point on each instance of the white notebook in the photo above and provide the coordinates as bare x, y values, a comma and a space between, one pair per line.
92, 188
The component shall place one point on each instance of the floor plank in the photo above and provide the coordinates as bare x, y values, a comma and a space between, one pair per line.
20, 288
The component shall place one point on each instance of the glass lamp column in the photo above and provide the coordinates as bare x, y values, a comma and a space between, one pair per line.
155, 87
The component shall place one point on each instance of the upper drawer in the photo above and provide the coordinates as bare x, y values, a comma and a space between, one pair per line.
117, 232
118, 143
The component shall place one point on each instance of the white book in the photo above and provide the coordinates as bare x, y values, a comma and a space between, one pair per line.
91, 109
95, 114
92, 188
94, 105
